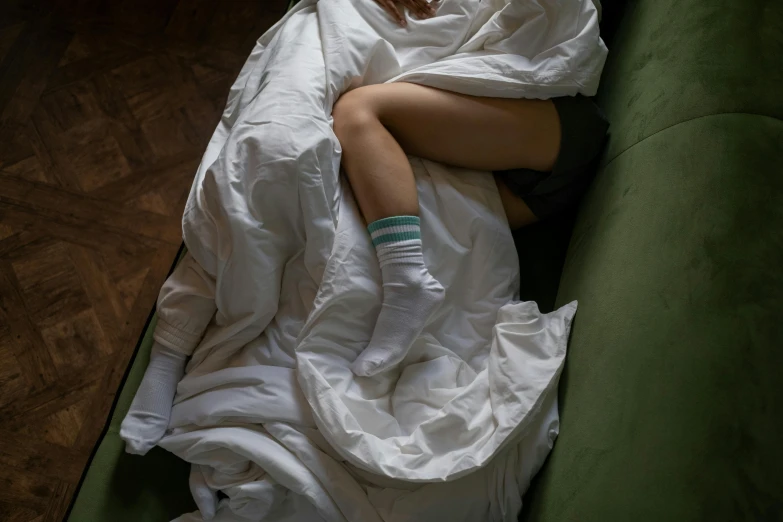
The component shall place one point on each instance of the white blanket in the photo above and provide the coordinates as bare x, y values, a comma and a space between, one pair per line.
269, 412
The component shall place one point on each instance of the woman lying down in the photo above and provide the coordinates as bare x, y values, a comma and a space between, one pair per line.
540, 151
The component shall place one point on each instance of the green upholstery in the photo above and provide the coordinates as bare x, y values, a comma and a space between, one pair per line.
119, 487
675, 60
671, 401
672, 406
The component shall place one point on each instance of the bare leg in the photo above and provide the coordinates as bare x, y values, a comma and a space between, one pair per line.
377, 126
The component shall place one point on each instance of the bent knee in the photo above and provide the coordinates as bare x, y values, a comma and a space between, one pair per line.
354, 114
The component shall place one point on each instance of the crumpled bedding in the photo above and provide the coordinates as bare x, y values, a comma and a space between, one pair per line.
269, 413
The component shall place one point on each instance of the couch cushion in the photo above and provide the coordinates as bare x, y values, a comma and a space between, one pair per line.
671, 61
672, 405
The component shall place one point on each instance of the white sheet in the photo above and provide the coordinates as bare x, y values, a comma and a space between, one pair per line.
269, 412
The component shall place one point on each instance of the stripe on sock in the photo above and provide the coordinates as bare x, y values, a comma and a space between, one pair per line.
395, 237
389, 230
394, 221
394, 230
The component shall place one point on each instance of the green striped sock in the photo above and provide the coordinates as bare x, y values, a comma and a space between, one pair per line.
395, 229
410, 294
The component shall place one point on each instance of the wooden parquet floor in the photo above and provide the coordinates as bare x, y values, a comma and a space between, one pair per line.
105, 109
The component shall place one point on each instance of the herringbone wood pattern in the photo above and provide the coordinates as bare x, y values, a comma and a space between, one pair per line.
105, 109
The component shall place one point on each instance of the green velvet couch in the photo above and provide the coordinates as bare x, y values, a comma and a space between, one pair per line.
672, 396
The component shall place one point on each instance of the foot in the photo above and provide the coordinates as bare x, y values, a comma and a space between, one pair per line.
410, 297
149, 414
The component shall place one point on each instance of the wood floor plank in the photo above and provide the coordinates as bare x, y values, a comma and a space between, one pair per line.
124, 127
57, 395
106, 107
24, 72
48, 202
48, 164
9, 35
25, 489
16, 513
58, 503
37, 364
61, 497
102, 293
116, 244
88, 67
29, 450
20, 243
179, 169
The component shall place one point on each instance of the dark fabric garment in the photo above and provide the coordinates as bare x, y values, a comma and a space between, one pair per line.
583, 134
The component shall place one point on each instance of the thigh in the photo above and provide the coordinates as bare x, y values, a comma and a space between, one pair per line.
468, 131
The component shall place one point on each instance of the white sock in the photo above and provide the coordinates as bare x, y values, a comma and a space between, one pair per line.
410, 294
148, 417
